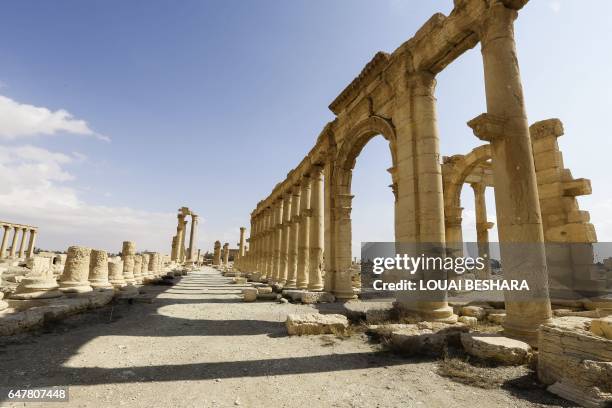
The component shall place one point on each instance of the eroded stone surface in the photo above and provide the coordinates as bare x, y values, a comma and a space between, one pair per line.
496, 347
316, 323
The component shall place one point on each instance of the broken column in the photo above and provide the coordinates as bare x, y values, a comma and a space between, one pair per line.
138, 269
226, 254
75, 278
98, 269
115, 274
127, 256
40, 283
191, 256
217, 254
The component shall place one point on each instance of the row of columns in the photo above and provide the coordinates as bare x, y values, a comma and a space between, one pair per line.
17, 229
286, 242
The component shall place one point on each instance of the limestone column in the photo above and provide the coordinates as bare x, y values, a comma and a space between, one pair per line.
14, 243
516, 197
21, 252
144, 270
277, 238
226, 254
98, 270
267, 261
315, 264
453, 231
115, 274
304, 234
293, 239
5, 236
482, 228
192, 238
76, 271
180, 234
343, 285
241, 251
217, 254
152, 267
138, 269
127, 256
284, 247
31, 243
182, 252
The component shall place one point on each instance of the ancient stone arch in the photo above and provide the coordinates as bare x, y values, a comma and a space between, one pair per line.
306, 217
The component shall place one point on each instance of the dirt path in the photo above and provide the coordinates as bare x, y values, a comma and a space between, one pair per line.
198, 345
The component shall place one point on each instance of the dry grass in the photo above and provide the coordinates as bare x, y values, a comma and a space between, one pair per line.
462, 371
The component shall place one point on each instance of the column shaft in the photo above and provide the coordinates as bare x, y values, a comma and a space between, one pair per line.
5, 236
293, 238
304, 230
284, 247
315, 264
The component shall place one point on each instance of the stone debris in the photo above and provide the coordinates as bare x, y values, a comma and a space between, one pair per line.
317, 297
427, 338
315, 323
496, 348
602, 327
469, 321
474, 311
249, 295
575, 362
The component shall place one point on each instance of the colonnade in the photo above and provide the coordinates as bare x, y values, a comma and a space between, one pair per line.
17, 247
394, 96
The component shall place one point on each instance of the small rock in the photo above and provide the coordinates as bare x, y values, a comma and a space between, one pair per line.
474, 311
468, 321
315, 323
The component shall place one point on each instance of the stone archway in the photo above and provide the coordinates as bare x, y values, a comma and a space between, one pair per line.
340, 198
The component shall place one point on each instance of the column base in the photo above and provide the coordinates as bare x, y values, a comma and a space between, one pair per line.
75, 287
36, 288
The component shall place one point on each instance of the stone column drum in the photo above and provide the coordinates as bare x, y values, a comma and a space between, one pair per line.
226, 254
138, 269
217, 254
75, 278
127, 256
115, 274
98, 269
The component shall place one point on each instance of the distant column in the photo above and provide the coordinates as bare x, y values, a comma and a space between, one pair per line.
217, 254
192, 238
5, 236
14, 243
482, 228
226, 254
284, 246
33, 234
21, 252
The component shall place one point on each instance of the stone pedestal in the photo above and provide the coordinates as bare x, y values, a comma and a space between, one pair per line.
98, 270
76, 271
38, 284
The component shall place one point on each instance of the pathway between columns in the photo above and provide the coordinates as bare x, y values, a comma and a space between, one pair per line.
198, 345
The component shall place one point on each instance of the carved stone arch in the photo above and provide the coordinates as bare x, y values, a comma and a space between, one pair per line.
461, 167
355, 140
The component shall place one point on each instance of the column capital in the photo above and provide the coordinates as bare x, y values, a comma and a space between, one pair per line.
421, 82
489, 127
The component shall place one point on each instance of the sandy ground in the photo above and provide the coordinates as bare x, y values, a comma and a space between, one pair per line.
198, 345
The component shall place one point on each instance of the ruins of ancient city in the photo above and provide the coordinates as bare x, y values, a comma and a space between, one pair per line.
283, 312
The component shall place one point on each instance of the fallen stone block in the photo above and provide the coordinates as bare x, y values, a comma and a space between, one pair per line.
264, 289
379, 315
576, 363
295, 295
469, 321
427, 339
239, 281
602, 327
496, 348
269, 296
315, 323
474, 311
249, 295
496, 317
317, 297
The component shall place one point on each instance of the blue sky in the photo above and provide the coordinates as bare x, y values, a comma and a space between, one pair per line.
151, 105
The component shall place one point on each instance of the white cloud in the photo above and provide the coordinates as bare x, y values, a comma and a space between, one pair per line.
555, 6
33, 191
19, 120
